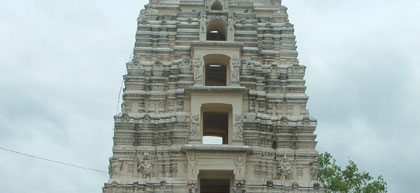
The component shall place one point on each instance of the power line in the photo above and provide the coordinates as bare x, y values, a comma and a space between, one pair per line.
53, 161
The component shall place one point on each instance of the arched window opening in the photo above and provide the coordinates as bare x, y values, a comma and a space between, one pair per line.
216, 123
215, 75
217, 6
216, 70
216, 31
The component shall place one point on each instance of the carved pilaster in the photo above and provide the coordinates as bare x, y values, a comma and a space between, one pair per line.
238, 128
235, 70
314, 169
231, 29
195, 126
192, 168
240, 168
203, 26
198, 72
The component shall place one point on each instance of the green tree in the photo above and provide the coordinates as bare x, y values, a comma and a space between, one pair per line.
349, 180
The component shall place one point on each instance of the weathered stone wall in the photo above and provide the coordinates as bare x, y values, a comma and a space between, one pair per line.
157, 140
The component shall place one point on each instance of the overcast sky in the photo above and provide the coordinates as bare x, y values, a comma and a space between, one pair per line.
61, 67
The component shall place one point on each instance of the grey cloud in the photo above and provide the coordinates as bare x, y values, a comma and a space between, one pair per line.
61, 65
363, 82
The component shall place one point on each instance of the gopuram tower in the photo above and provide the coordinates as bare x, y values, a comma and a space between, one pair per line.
214, 102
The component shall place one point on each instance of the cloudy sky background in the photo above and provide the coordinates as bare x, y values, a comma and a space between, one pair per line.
61, 67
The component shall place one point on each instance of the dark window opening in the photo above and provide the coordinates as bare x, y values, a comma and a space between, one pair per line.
216, 124
217, 30
217, 6
216, 36
214, 186
215, 75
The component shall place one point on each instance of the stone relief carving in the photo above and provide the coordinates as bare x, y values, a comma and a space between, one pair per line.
192, 167
152, 108
284, 169
238, 127
235, 68
284, 121
277, 13
231, 30
198, 71
174, 170
314, 169
231, 23
240, 168
162, 186
145, 166
115, 167
195, 126
239, 187
192, 187
192, 172
164, 170
171, 104
258, 169
203, 27
306, 121
213, 17
186, 61
162, 104
141, 15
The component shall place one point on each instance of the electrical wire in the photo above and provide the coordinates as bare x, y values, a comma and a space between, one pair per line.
53, 161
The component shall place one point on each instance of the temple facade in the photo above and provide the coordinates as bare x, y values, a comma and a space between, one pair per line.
214, 102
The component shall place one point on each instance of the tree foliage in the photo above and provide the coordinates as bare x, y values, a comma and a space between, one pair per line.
349, 180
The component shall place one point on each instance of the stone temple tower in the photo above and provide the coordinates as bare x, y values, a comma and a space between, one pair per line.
214, 102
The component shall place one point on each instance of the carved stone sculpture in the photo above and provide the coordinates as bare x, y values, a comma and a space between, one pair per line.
192, 187
314, 169
115, 168
192, 167
236, 65
239, 187
195, 125
285, 170
145, 166
238, 127
198, 71
240, 167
